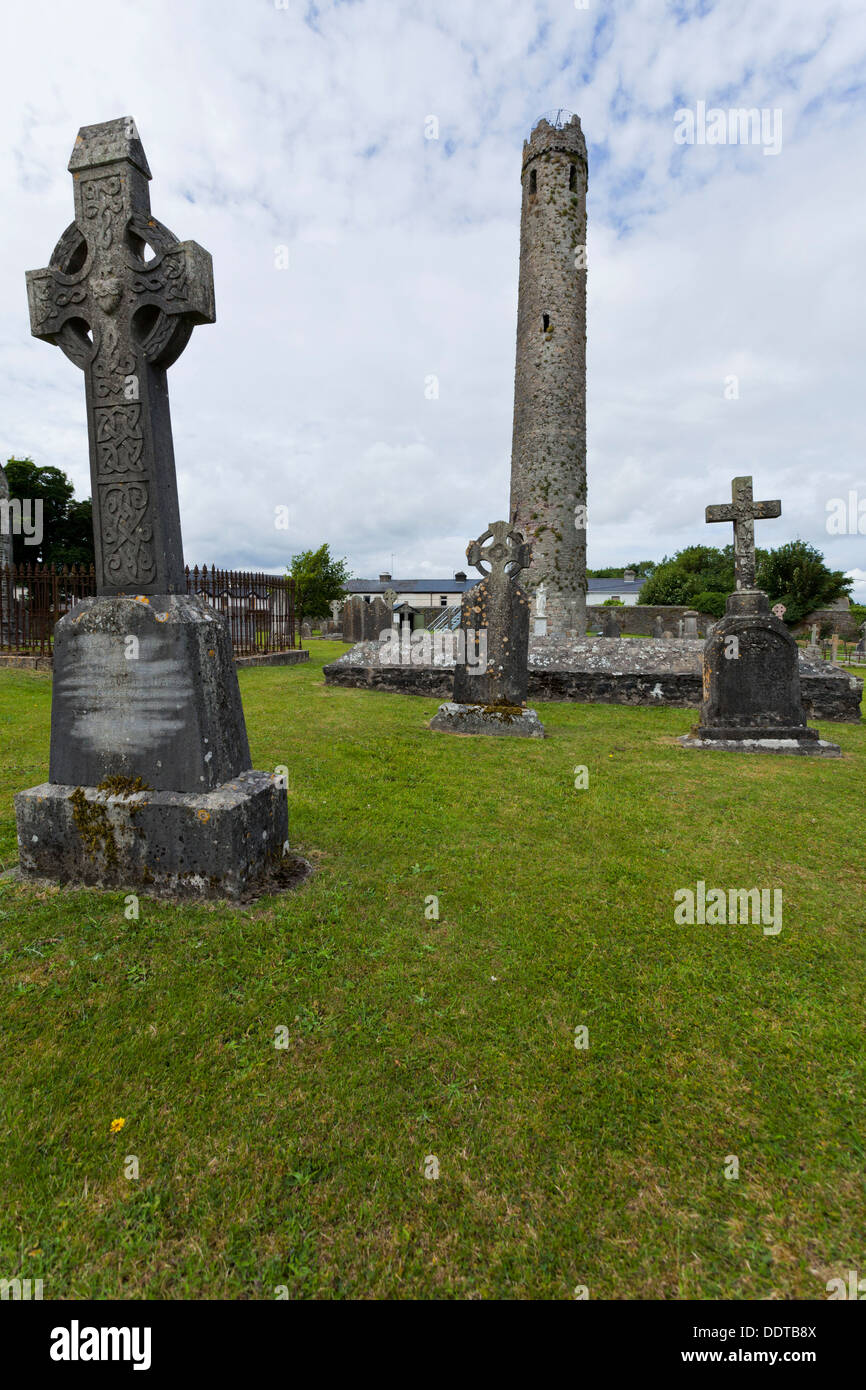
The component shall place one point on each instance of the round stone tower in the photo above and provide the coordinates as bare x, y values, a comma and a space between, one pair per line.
548, 455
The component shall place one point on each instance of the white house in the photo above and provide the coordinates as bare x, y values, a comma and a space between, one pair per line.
446, 593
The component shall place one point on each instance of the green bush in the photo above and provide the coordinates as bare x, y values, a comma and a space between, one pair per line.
710, 602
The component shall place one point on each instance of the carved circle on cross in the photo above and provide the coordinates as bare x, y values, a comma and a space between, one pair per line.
162, 336
502, 549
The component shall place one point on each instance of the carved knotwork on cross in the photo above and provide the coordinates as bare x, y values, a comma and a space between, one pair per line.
506, 554
744, 512
124, 319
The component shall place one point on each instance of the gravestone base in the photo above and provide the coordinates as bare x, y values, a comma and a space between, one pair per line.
224, 843
802, 742
503, 721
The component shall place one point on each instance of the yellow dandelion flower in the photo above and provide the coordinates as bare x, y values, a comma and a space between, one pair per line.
117, 1126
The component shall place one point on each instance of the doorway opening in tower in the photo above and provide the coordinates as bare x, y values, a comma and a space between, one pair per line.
545, 319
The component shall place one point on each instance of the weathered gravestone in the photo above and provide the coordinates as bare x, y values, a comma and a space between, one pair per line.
690, 623
5, 523
491, 679
751, 662
306, 630
658, 626
351, 619
150, 781
860, 649
610, 626
377, 619
813, 649
6, 610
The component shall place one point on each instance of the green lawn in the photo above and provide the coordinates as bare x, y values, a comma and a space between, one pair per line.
304, 1166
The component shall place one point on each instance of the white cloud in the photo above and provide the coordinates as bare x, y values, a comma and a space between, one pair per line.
265, 130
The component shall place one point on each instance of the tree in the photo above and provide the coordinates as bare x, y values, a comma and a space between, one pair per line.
319, 581
696, 569
66, 525
702, 577
796, 575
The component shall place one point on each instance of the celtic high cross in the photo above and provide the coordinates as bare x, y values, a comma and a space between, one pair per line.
744, 512
124, 317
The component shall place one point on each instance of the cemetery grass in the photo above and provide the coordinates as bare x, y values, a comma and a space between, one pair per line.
304, 1167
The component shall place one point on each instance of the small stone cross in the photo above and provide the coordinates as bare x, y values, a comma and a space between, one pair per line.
124, 319
744, 512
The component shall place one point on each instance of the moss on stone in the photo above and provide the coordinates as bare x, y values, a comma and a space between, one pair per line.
94, 827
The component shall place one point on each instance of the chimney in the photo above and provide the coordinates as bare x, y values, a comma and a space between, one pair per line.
384, 578
628, 576
460, 576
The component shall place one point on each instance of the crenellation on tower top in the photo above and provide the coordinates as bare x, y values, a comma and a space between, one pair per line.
546, 138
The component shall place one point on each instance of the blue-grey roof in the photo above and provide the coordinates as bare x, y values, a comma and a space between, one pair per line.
459, 586
412, 586
614, 586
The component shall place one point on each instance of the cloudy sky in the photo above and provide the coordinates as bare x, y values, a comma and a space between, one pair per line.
296, 132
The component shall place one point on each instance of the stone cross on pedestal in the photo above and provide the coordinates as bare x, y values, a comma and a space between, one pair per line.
751, 664
744, 512
492, 671
124, 319
150, 782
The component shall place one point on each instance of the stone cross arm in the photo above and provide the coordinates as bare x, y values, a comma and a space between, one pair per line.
156, 302
743, 511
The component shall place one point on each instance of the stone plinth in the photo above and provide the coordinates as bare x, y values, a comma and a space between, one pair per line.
501, 721
751, 683
221, 843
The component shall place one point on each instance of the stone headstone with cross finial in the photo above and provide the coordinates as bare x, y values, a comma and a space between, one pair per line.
751, 663
813, 647
150, 782
491, 675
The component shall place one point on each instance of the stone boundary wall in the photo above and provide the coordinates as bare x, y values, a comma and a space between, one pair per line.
834, 697
641, 616
842, 620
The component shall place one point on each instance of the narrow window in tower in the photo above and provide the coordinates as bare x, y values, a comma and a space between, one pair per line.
572, 177
545, 319
533, 182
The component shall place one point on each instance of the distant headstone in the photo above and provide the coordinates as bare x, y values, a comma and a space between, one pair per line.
306, 630
377, 619
490, 695
658, 626
150, 782
336, 607
5, 523
353, 619
610, 626
834, 647
860, 649
680, 627
690, 623
813, 649
752, 700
